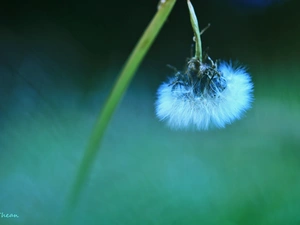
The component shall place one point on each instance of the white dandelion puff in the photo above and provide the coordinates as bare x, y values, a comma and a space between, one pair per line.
213, 98
207, 94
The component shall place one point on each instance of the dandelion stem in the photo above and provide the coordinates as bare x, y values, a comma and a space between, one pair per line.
195, 26
114, 98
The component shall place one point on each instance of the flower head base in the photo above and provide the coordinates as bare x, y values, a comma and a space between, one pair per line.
206, 95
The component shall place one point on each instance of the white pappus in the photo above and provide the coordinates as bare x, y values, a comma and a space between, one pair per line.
206, 95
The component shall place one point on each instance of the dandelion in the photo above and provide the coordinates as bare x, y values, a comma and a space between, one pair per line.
207, 94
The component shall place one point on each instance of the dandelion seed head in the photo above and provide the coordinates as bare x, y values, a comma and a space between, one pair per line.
204, 96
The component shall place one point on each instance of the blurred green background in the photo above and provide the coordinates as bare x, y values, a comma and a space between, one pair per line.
58, 62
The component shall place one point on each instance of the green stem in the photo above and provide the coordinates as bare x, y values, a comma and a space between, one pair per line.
194, 22
114, 98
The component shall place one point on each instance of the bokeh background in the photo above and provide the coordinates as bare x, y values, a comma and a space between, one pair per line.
58, 62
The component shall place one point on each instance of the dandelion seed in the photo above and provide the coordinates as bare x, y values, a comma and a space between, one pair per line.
207, 94
216, 98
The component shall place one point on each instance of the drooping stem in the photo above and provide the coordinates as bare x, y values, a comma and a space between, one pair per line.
111, 104
195, 26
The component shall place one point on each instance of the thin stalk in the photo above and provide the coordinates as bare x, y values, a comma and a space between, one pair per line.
112, 101
195, 26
